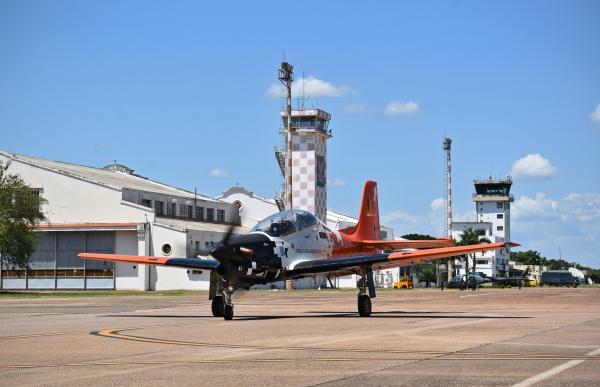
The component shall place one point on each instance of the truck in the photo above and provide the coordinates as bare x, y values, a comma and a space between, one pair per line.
559, 278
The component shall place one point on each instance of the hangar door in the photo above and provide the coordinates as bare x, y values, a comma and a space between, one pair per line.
55, 264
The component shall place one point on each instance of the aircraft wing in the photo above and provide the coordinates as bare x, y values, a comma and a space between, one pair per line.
407, 244
190, 263
348, 265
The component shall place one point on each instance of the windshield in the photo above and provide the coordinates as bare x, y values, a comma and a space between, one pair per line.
286, 223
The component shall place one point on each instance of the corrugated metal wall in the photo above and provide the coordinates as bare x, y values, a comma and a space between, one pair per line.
55, 264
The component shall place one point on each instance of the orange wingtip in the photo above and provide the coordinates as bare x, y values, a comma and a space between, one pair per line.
125, 258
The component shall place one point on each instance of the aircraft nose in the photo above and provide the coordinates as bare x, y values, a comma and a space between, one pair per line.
221, 251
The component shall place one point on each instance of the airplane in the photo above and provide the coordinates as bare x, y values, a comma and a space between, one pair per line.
294, 244
476, 279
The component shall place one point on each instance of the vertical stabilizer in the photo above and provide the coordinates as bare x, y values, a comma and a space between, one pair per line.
367, 227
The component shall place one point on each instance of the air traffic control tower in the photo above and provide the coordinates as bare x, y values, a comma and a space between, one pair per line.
492, 203
310, 132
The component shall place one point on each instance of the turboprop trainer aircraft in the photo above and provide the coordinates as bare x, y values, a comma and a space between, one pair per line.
294, 244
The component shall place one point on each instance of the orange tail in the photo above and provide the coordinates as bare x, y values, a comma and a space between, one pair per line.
367, 227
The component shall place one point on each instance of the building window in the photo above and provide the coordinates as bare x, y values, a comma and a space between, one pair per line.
500, 228
190, 212
171, 209
34, 198
182, 211
499, 205
147, 203
200, 213
482, 262
500, 216
159, 208
210, 214
221, 216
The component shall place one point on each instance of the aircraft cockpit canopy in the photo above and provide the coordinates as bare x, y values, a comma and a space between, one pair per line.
286, 223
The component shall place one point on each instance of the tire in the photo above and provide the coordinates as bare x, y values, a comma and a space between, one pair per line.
364, 305
217, 306
228, 312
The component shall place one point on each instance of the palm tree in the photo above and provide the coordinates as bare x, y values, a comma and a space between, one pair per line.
427, 275
471, 237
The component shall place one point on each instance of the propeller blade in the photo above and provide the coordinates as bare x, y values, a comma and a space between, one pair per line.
225, 240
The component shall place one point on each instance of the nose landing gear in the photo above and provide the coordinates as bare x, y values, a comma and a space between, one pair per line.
221, 305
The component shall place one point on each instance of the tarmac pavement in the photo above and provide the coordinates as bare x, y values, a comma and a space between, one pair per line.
533, 336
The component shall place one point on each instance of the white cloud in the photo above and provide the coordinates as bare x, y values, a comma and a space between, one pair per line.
580, 207
310, 87
595, 116
403, 222
219, 173
437, 203
358, 108
539, 207
336, 183
532, 167
397, 108
571, 222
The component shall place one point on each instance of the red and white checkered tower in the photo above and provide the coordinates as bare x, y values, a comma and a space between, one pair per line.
310, 133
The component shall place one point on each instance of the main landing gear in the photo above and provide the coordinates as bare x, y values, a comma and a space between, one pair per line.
364, 299
221, 303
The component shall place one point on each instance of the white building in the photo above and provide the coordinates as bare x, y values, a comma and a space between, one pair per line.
113, 210
492, 204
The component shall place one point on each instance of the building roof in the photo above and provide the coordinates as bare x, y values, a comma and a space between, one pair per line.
115, 178
331, 215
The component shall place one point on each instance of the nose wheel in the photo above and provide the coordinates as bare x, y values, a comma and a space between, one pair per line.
228, 312
221, 305
218, 306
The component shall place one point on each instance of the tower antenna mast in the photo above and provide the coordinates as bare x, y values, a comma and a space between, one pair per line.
447, 145
286, 76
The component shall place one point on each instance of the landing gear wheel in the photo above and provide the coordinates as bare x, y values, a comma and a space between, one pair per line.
364, 305
218, 306
228, 312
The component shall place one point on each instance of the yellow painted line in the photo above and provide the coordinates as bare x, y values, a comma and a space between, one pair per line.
48, 334
114, 333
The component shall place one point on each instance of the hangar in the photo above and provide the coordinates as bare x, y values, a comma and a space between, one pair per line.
114, 210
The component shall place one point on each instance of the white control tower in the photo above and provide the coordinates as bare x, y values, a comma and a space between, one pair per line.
492, 203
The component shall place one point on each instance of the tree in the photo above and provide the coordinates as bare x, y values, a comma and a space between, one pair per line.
19, 211
529, 257
418, 237
427, 275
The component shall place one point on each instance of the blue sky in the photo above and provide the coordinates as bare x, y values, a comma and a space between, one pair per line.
177, 90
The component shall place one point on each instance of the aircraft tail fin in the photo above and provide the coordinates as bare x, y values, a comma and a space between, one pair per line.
367, 227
